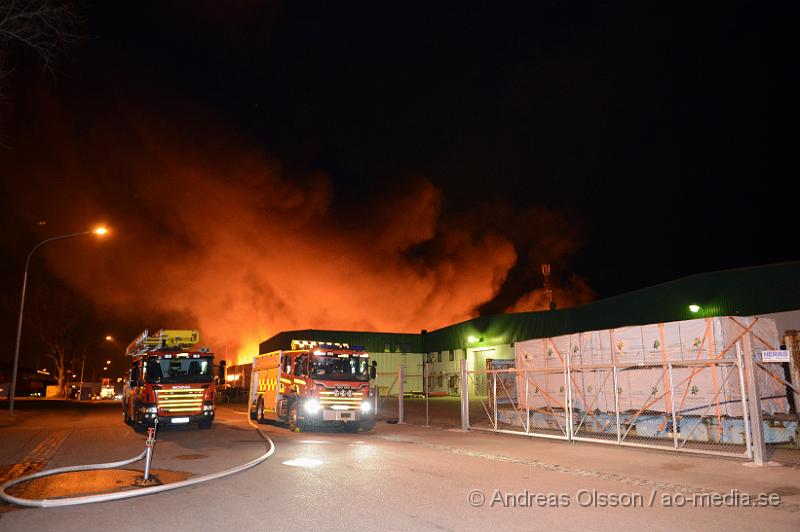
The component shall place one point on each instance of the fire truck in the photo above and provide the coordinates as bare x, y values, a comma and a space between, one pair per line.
313, 384
170, 380
107, 390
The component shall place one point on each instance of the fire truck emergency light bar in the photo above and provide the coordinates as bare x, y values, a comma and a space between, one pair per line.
308, 344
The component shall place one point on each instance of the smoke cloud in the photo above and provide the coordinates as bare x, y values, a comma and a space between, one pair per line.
575, 292
208, 231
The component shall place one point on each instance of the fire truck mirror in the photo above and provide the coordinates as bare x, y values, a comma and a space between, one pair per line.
221, 371
373, 371
134, 375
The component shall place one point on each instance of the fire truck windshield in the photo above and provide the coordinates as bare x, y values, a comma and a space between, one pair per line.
177, 370
340, 367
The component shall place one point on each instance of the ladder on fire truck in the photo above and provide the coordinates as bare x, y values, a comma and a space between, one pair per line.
162, 339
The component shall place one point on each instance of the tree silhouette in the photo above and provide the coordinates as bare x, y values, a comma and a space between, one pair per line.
61, 321
42, 26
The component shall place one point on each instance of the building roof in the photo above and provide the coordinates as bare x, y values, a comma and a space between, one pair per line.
739, 292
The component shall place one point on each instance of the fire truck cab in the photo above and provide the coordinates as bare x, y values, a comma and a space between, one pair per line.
169, 382
312, 385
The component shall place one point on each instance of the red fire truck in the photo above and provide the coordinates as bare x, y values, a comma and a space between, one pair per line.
169, 380
314, 384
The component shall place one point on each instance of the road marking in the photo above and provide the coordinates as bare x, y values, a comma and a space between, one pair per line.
48, 447
35, 460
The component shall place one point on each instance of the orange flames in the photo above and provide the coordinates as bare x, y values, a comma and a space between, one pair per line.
211, 235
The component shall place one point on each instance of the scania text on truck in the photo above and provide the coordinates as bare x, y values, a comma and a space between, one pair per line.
313, 384
170, 380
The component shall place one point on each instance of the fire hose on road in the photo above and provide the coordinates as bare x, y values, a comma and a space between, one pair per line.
118, 495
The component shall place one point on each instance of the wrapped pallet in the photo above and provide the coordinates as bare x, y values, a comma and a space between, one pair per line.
701, 381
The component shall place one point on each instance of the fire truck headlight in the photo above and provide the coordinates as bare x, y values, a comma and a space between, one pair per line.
312, 406
151, 409
366, 406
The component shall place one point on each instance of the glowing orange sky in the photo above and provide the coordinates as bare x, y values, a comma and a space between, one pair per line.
208, 232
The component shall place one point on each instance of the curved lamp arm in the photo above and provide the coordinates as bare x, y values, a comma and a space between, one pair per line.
13, 388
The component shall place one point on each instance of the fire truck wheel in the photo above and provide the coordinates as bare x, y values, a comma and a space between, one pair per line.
260, 411
294, 423
205, 424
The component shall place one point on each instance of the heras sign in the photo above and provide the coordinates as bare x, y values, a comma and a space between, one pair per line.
775, 356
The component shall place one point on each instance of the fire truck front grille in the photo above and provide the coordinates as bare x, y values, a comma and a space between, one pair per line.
340, 398
180, 401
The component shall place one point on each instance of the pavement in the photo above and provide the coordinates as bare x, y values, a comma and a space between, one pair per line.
6, 419
396, 477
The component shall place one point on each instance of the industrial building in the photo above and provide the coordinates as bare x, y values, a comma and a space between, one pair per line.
769, 291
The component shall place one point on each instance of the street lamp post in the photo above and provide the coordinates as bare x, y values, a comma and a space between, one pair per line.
13, 389
83, 366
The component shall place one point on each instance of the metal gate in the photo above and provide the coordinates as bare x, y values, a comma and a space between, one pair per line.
778, 404
689, 406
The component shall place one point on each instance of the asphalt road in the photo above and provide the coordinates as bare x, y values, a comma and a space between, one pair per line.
393, 478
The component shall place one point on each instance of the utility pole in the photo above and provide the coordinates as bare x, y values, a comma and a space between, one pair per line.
83, 365
548, 291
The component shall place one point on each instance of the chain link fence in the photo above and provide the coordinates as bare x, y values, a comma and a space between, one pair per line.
780, 423
698, 406
595, 398
441, 403
388, 396
692, 406
480, 406
414, 403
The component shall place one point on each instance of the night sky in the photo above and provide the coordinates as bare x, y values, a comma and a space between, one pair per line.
375, 166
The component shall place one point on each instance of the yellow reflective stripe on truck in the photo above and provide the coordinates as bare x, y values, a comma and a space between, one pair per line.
265, 384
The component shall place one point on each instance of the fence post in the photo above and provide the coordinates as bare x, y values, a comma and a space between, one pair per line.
494, 397
747, 438
527, 406
375, 393
754, 403
616, 402
464, 396
426, 391
568, 397
672, 404
400, 420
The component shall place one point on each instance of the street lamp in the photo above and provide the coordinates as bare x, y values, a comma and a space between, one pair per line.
99, 231
474, 339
